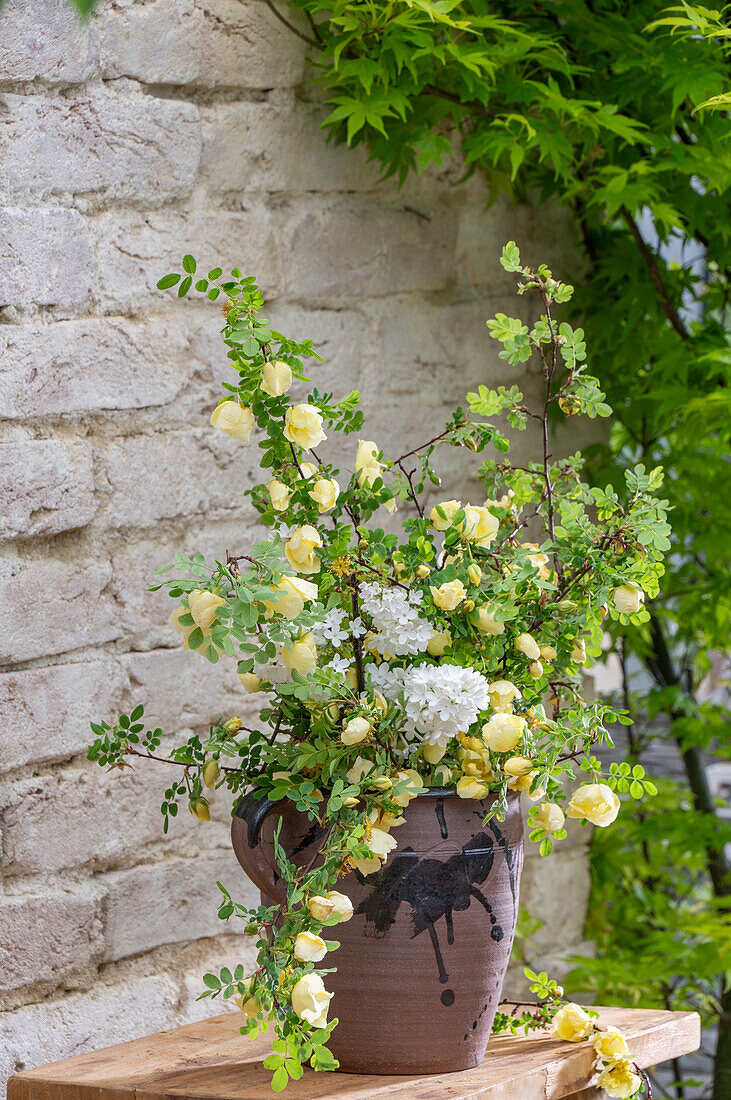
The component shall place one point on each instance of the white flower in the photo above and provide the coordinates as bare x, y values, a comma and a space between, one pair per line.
398, 629
441, 700
330, 629
340, 665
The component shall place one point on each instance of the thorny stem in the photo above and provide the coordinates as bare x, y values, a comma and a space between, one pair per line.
412, 491
179, 763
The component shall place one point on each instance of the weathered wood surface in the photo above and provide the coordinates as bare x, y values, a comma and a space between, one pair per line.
211, 1061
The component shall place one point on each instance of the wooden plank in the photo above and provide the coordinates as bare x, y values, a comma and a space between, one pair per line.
211, 1061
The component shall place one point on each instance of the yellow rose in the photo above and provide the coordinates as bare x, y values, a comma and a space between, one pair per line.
380, 843
501, 694
290, 596
549, 816
310, 1000
434, 753
628, 599
538, 561
503, 732
234, 419
356, 730
439, 641
486, 622
535, 668
527, 645
359, 769
572, 1024
325, 494
308, 470
279, 495
301, 655
276, 378
412, 779
309, 948
474, 573
203, 607
423, 571
470, 787
367, 466
548, 654
303, 425
578, 653
320, 908
449, 508
249, 1005
449, 595
299, 549
187, 630
250, 681
480, 526
596, 802
611, 1045
342, 905
620, 1081
522, 772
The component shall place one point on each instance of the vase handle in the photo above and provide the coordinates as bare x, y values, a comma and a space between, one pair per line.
246, 825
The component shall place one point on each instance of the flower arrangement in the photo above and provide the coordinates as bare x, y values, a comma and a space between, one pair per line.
448, 654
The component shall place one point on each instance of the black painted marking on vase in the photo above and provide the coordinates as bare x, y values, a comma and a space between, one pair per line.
433, 890
439, 808
447, 997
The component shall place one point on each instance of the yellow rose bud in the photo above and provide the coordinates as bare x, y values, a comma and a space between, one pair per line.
474, 573
233, 724
249, 1005
569, 404
572, 1023
566, 606
470, 787
468, 605
289, 597
449, 508
548, 654
342, 905
549, 816
303, 425
578, 653
382, 783
356, 730
535, 668
439, 642
423, 571
309, 948
367, 466
449, 595
503, 732
620, 1080
308, 470
501, 694
351, 677
279, 494
234, 419
250, 681
276, 378
200, 809
301, 655
310, 1000
325, 494
299, 549
434, 753
527, 645
203, 607
380, 701
486, 622
443, 776
210, 773
596, 802
319, 907
610, 1045
350, 801
628, 599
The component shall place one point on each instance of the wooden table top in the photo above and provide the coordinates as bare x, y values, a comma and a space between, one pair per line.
212, 1061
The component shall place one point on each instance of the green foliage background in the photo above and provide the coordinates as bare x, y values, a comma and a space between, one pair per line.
619, 110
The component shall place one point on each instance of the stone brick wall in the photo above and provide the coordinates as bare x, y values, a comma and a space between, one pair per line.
166, 126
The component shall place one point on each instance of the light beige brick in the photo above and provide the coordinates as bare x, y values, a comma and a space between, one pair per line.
53, 606
171, 902
45, 40
46, 486
90, 365
134, 149
134, 252
46, 938
231, 44
45, 257
46, 711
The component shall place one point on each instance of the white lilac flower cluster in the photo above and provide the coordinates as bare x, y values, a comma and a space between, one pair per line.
398, 629
441, 700
331, 629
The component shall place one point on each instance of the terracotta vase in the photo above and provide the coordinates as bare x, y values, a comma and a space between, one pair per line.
421, 963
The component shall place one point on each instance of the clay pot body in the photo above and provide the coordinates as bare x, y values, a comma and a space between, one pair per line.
422, 961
